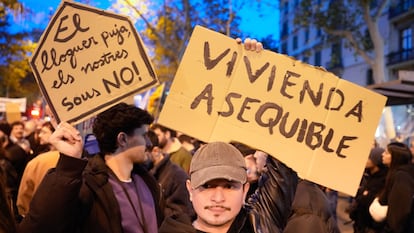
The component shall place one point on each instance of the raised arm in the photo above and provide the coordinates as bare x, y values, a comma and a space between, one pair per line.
55, 204
270, 205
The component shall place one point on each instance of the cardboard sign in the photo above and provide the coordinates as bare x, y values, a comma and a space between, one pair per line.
21, 102
13, 112
316, 123
88, 60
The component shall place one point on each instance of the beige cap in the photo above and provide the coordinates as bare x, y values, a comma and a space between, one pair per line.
217, 160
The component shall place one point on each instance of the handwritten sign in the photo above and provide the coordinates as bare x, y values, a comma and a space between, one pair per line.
318, 124
88, 60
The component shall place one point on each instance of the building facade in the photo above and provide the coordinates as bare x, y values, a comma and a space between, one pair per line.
396, 25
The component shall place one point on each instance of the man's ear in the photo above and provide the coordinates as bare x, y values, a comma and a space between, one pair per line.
189, 189
122, 139
168, 134
246, 187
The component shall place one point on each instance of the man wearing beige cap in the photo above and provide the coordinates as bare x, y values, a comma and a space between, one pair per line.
218, 187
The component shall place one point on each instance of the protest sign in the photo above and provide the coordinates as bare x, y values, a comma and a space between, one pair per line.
88, 60
13, 112
21, 102
318, 124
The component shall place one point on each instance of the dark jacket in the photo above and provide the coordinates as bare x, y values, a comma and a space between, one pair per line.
266, 211
17, 157
80, 202
182, 224
10, 184
399, 196
311, 211
370, 188
172, 180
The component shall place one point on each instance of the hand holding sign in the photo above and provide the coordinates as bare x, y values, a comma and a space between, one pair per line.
67, 140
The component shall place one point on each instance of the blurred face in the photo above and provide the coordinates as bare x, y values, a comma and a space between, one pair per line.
217, 203
155, 155
261, 158
49, 113
29, 127
135, 145
386, 158
44, 135
3, 139
252, 172
369, 164
17, 131
162, 138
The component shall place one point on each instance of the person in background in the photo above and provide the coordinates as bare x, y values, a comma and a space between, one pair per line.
17, 135
36, 169
18, 148
187, 142
7, 221
252, 170
8, 166
372, 183
9, 181
31, 133
172, 146
332, 196
395, 204
171, 179
311, 211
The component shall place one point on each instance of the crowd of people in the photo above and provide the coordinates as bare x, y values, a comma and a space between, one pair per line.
149, 178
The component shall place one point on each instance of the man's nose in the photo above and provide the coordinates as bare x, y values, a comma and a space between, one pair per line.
218, 194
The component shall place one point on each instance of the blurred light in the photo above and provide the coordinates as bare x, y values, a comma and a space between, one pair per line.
35, 112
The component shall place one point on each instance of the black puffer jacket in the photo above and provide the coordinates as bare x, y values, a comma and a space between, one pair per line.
271, 204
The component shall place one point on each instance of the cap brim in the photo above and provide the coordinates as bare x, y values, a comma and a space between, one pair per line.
229, 173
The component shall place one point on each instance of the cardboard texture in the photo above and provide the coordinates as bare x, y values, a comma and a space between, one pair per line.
88, 60
13, 112
316, 123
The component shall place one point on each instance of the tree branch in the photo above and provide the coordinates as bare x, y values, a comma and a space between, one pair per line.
149, 25
350, 37
380, 9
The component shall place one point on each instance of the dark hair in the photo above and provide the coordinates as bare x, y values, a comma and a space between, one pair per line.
16, 123
119, 118
185, 138
48, 125
243, 148
164, 129
5, 127
400, 154
153, 138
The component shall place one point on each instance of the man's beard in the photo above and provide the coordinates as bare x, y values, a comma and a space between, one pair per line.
163, 143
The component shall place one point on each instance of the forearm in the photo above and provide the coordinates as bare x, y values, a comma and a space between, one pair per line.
272, 201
